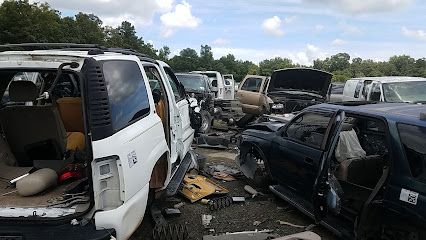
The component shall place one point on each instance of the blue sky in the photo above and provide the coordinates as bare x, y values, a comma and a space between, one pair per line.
302, 30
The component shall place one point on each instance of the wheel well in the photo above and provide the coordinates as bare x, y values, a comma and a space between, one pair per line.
159, 173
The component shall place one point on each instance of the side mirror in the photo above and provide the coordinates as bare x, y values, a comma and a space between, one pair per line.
156, 94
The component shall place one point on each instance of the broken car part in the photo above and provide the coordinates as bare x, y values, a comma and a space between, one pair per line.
308, 235
165, 231
248, 235
196, 187
206, 219
252, 191
219, 203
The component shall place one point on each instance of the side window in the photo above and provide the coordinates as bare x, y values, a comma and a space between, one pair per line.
357, 89
252, 84
309, 128
173, 82
153, 77
375, 93
126, 92
412, 139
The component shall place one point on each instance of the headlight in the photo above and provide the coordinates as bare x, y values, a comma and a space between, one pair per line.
277, 106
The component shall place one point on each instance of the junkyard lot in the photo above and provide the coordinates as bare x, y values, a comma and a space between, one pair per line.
267, 209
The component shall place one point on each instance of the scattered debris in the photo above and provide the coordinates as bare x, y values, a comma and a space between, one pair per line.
74, 222
252, 191
301, 236
257, 223
170, 232
172, 212
196, 187
178, 205
212, 140
222, 168
291, 224
223, 176
238, 199
253, 235
219, 203
205, 201
206, 219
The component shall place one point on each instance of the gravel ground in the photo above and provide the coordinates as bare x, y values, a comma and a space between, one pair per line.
267, 210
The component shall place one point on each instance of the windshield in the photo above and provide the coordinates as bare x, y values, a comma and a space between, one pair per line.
193, 82
410, 92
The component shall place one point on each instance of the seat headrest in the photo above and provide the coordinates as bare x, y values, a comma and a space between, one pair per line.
23, 91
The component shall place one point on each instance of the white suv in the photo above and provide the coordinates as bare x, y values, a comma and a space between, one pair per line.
132, 116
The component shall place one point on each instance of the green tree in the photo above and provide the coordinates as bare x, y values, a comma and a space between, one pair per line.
266, 67
164, 53
22, 21
206, 57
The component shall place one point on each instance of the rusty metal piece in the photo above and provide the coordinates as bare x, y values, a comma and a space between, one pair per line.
170, 232
196, 187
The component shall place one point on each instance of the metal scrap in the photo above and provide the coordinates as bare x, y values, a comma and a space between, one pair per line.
252, 235
252, 191
301, 236
196, 187
206, 219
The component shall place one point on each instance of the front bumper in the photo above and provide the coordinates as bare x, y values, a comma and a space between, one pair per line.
23, 231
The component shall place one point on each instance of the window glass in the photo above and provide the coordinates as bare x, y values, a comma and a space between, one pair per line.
173, 82
126, 91
367, 85
410, 92
309, 128
375, 92
252, 84
357, 89
413, 141
153, 77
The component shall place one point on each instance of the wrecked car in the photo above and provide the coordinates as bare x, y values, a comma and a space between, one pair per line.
86, 143
252, 94
357, 169
294, 89
198, 87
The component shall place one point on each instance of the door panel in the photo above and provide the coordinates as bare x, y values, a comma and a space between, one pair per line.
249, 92
297, 153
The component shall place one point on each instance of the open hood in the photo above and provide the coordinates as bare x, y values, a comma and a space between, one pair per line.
300, 79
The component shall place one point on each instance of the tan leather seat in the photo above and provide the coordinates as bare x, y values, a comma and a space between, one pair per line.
71, 111
160, 108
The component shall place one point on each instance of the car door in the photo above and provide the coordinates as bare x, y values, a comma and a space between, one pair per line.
249, 94
297, 152
322, 191
184, 130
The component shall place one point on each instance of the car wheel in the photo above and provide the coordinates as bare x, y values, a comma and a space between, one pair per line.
262, 176
206, 121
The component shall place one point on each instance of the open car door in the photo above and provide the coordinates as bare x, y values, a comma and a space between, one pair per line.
324, 196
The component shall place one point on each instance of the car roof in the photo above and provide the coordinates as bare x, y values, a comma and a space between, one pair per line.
398, 112
391, 79
190, 74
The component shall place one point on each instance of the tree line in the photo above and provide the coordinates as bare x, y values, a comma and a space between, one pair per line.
23, 22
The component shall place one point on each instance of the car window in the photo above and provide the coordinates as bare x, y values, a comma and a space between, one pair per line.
126, 91
173, 83
375, 93
412, 139
153, 77
252, 84
357, 89
309, 128
367, 85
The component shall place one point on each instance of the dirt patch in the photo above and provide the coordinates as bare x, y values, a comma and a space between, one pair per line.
265, 211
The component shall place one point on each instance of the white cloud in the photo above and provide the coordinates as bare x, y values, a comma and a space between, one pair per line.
349, 29
112, 12
363, 6
272, 26
308, 55
221, 41
416, 34
338, 42
290, 19
319, 28
180, 17
305, 56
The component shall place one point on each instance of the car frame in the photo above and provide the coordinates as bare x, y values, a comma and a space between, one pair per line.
302, 174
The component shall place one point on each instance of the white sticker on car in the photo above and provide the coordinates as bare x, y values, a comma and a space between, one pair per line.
131, 157
409, 196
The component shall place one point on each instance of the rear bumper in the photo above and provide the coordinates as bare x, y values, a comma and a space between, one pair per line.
21, 231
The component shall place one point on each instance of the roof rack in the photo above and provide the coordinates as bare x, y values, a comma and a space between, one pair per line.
93, 49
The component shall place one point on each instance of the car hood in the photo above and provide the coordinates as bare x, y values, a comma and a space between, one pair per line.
300, 79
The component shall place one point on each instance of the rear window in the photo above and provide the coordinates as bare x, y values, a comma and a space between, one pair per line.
126, 91
413, 141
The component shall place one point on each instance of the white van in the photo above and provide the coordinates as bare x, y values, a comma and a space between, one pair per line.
386, 89
104, 131
222, 86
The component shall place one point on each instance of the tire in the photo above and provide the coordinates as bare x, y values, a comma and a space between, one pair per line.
206, 121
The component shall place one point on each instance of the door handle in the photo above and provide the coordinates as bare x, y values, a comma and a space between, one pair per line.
309, 161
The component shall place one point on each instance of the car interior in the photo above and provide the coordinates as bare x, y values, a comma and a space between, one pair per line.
42, 135
359, 159
160, 98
